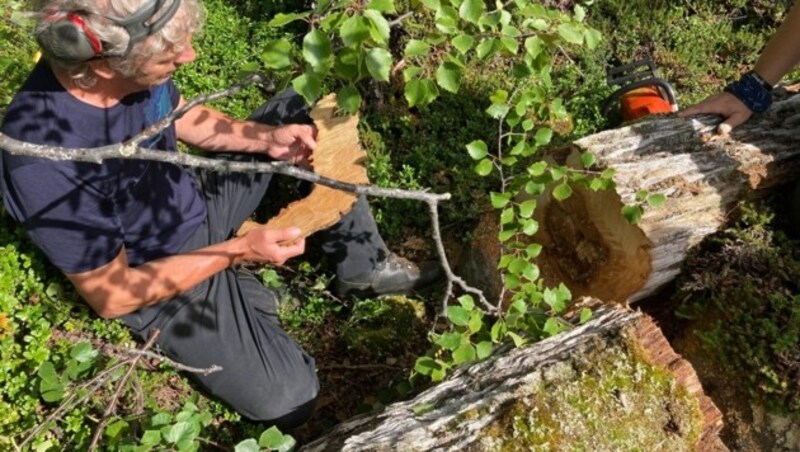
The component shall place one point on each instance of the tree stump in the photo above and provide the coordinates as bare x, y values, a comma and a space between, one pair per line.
613, 383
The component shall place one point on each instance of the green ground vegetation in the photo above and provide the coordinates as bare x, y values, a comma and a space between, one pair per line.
50, 341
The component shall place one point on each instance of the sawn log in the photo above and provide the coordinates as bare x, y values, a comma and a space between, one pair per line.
595, 252
613, 383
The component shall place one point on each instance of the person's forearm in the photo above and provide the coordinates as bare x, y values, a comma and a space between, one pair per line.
782, 52
212, 130
116, 289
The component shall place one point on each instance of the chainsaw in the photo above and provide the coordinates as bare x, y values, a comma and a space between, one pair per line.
641, 92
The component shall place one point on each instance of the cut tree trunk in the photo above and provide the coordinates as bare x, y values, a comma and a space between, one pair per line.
595, 252
613, 383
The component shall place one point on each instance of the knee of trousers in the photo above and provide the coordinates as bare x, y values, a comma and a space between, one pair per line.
287, 405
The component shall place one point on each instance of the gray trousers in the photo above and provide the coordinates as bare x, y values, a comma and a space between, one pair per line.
231, 319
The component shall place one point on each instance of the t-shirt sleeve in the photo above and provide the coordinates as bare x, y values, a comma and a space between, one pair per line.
70, 221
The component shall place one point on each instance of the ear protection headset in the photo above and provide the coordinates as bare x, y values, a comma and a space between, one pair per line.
69, 38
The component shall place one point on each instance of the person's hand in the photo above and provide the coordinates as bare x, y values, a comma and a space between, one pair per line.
292, 143
726, 105
272, 246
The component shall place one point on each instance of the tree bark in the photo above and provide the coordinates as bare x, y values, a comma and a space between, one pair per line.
613, 382
595, 252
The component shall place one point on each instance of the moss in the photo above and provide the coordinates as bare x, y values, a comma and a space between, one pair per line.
613, 401
383, 326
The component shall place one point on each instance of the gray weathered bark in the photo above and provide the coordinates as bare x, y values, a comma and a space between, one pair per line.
501, 401
595, 252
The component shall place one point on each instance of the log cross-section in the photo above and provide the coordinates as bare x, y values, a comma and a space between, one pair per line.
588, 246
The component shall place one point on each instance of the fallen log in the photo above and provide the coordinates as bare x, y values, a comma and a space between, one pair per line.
613, 383
590, 247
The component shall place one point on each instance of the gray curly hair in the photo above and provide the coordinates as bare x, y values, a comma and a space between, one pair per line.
172, 37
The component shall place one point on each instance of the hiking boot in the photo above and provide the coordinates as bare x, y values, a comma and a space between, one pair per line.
393, 276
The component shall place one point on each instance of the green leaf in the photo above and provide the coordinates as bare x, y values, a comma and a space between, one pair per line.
519, 341
450, 341
484, 167
384, 6
115, 428
463, 43
562, 191
537, 169
571, 33
534, 46
458, 315
533, 250
277, 54
414, 92
425, 365
486, 48
498, 111
411, 72
317, 50
273, 439
248, 445
558, 172
47, 372
656, 199
379, 63
632, 213
499, 200
52, 390
448, 76
499, 331
150, 438
553, 327
530, 227
477, 149
475, 321
432, 4
379, 27
467, 302
483, 349
471, 10
593, 38
179, 432
309, 86
518, 265
526, 208
282, 19
161, 419
416, 47
504, 236
349, 99
587, 159
510, 44
586, 315
464, 354
507, 216
543, 136
447, 20
354, 31
347, 64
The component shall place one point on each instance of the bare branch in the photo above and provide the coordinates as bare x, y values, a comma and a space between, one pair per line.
112, 406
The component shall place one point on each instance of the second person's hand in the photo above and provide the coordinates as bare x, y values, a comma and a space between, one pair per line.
733, 111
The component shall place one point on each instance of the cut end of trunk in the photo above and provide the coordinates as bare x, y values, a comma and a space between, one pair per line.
589, 246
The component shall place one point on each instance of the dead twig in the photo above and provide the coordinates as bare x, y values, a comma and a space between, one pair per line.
112, 406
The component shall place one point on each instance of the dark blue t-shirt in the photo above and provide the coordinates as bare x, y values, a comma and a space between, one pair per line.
81, 214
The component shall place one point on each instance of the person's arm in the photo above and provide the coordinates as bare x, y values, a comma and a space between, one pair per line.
116, 289
780, 55
212, 130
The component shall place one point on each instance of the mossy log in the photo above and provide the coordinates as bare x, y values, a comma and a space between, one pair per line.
595, 252
613, 383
